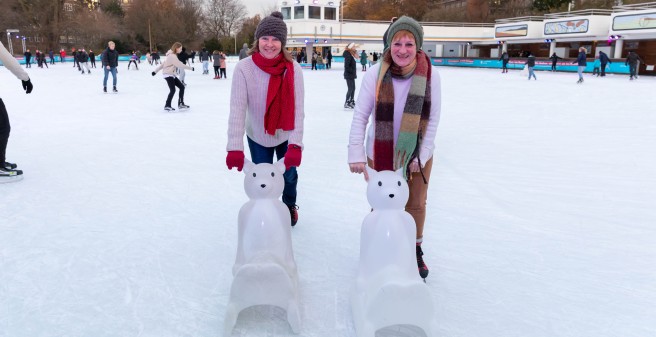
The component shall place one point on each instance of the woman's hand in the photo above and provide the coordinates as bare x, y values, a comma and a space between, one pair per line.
359, 168
414, 166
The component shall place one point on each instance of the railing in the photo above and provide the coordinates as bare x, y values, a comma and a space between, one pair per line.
634, 7
441, 24
520, 19
584, 12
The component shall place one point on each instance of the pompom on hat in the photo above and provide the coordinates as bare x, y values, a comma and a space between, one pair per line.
409, 24
273, 25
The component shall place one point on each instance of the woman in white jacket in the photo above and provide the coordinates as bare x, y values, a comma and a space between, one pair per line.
8, 171
170, 64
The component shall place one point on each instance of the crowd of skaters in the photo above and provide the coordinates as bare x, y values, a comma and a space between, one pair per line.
601, 62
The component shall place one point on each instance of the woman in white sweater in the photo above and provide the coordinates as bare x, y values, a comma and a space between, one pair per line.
170, 64
402, 93
266, 103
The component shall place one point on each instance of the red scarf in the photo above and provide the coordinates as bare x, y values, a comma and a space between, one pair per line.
280, 101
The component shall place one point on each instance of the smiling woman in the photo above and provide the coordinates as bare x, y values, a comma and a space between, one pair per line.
403, 94
275, 110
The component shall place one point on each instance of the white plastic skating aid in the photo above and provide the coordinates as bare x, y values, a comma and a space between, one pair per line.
265, 270
388, 290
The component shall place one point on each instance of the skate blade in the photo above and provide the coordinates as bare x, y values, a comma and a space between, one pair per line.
5, 180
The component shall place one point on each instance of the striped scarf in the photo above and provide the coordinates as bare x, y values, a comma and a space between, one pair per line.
416, 112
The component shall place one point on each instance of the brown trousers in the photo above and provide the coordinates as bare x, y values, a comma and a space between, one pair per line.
416, 205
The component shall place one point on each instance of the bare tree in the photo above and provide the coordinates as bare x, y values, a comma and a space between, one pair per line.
223, 17
163, 21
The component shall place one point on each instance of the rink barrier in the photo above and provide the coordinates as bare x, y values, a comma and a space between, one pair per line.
124, 58
617, 67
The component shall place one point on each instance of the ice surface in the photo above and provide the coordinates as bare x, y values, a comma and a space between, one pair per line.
541, 217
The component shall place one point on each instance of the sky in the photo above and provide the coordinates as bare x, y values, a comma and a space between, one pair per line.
258, 6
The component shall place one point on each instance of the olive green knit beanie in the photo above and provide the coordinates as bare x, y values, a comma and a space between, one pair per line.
409, 24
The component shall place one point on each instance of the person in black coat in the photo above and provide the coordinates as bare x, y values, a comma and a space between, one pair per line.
183, 57
329, 59
530, 63
350, 74
504, 62
28, 59
92, 58
632, 61
603, 58
109, 60
554, 61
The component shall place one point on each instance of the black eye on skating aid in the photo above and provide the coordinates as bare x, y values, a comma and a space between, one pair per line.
272, 174
380, 183
254, 175
399, 182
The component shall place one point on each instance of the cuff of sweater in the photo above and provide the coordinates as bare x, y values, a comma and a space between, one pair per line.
425, 154
356, 154
235, 146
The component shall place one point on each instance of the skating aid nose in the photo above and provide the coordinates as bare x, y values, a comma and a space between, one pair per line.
391, 195
263, 185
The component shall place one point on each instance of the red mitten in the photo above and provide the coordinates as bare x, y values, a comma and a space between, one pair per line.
235, 159
293, 156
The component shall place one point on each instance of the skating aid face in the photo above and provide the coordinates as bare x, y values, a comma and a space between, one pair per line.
387, 189
264, 180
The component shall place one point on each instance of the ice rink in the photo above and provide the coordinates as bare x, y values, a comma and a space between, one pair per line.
541, 208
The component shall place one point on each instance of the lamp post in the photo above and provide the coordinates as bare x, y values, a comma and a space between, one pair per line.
341, 21
11, 47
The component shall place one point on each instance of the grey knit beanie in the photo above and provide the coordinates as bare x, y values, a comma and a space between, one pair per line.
409, 24
273, 25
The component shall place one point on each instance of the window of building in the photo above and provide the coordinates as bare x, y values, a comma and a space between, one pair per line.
299, 12
286, 13
329, 13
68, 7
314, 12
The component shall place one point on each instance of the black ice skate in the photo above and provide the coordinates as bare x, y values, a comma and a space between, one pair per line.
115, 91
9, 166
182, 106
168, 108
293, 212
105, 89
8, 175
423, 268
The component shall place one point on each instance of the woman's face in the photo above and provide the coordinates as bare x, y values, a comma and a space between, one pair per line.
404, 50
269, 46
178, 50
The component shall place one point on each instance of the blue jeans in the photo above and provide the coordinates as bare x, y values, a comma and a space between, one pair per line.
262, 154
206, 65
581, 68
107, 71
531, 73
632, 70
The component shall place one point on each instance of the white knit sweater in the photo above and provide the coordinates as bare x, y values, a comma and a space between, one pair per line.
248, 106
365, 114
